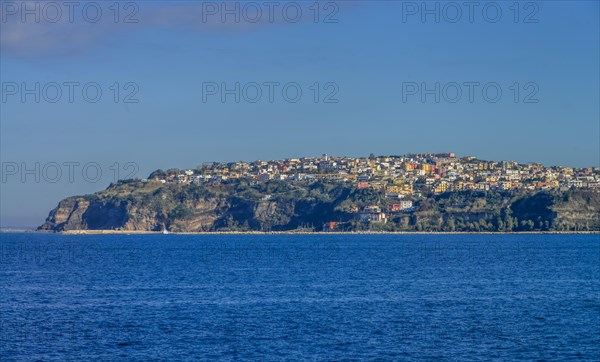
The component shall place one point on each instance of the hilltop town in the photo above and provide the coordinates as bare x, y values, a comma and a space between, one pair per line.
416, 192
397, 176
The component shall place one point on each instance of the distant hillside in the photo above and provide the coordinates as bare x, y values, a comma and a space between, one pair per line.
283, 206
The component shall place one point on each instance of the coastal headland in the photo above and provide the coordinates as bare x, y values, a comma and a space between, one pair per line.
376, 194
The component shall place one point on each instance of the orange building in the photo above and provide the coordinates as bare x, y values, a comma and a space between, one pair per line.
427, 168
409, 166
396, 207
330, 226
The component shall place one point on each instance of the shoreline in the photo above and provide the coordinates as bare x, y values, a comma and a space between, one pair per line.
145, 232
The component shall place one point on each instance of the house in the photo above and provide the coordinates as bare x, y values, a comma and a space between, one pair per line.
544, 185
401, 189
197, 179
441, 188
401, 206
264, 177
327, 166
362, 185
395, 207
372, 214
330, 226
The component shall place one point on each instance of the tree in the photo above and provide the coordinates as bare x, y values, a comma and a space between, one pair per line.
158, 174
482, 224
460, 223
508, 219
546, 225
527, 225
450, 225
500, 224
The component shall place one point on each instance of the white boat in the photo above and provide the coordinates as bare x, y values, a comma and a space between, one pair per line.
165, 231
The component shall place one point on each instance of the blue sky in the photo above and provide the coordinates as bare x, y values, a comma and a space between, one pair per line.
370, 53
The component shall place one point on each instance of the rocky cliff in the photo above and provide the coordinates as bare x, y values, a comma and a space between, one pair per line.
279, 206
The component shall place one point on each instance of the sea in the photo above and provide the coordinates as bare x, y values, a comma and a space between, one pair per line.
300, 297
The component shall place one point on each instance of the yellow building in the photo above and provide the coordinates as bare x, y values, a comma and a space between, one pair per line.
404, 189
441, 188
427, 168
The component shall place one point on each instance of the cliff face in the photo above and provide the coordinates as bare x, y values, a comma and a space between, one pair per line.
152, 206
83, 213
278, 206
577, 210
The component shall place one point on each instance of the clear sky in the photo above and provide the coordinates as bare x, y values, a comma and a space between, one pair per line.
374, 59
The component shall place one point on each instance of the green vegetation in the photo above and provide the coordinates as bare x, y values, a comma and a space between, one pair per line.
283, 206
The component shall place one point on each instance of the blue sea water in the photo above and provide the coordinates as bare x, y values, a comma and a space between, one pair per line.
299, 297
